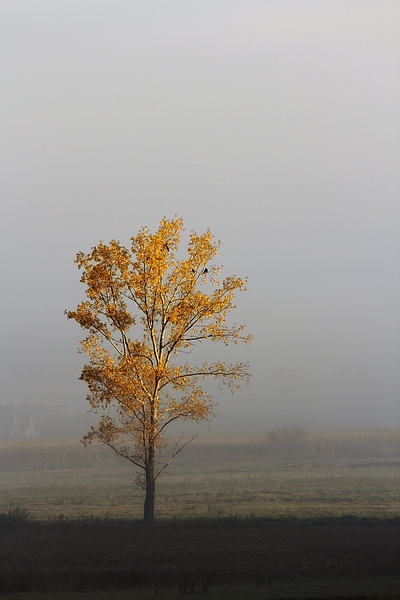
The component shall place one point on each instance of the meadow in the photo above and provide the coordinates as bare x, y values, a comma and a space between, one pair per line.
259, 515
285, 473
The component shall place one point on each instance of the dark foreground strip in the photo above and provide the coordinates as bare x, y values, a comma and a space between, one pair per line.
103, 553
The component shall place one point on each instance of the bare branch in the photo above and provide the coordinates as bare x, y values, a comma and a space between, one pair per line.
176, 451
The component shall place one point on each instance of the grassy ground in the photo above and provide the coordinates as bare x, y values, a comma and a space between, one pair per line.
363, 488
236, 520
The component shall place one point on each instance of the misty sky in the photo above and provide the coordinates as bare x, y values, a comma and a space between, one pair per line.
275, 123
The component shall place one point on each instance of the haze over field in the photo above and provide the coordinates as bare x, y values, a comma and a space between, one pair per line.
275, 124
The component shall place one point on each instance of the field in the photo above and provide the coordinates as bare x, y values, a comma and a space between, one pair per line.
290, 508
288, 473
362, 488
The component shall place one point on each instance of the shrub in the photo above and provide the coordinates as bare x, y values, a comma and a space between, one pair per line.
15, 516
287, 441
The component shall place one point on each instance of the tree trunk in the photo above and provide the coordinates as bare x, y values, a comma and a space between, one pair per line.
148, 518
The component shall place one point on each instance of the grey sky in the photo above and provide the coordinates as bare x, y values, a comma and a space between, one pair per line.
274, 123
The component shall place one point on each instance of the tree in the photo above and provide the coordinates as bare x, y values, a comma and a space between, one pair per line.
135, 377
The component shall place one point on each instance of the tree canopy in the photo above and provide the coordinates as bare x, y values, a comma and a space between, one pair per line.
145, 311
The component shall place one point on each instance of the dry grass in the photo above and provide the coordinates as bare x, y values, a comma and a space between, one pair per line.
333, 474
361, 488
280, 443
42, 454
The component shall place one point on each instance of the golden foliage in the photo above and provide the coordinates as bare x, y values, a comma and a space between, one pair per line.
145, 308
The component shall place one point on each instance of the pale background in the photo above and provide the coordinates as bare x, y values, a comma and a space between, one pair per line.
274, 123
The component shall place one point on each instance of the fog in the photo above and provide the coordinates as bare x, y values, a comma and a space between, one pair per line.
274, 124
